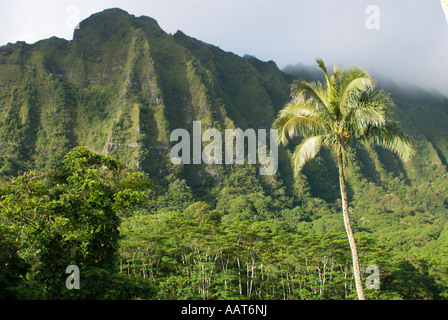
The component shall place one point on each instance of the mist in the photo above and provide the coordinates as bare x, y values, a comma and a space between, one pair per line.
405, 40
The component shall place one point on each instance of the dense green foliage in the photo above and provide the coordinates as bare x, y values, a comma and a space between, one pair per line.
120, 87
81, 215
67, 217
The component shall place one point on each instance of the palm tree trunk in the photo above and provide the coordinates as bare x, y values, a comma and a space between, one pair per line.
348, 228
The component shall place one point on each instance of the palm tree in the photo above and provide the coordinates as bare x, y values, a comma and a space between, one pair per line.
343, 110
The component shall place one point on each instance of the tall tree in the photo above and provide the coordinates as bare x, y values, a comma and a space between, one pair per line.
344, 109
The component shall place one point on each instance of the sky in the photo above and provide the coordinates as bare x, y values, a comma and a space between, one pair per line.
405, 40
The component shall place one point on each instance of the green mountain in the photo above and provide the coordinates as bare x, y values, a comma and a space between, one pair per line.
122, 85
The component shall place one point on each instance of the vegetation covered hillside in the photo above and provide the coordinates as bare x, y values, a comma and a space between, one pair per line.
119, 88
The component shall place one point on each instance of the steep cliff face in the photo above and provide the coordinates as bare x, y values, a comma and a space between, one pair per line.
121, 86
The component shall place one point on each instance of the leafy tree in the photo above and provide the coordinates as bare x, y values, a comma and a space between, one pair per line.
202, 211
71, 217
335, 114
178, 196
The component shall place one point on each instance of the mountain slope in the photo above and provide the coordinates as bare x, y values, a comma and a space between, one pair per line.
122, 85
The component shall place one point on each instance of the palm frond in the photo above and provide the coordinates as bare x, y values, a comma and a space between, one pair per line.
353, 80
321, 64
349, 76
331, 81
313, 92
390, 137
366, 108
298, 118
306, 151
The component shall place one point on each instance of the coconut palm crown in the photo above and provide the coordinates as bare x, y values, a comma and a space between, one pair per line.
343, 110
